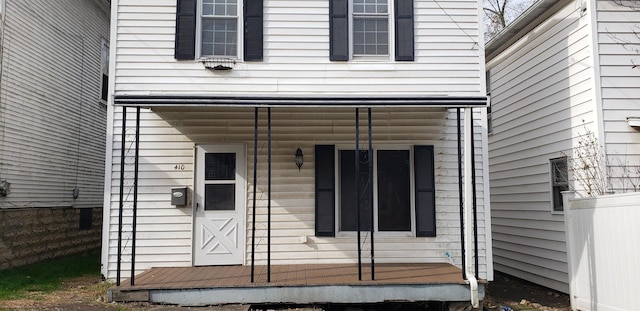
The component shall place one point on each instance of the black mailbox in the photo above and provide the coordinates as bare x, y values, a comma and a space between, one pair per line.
179, 196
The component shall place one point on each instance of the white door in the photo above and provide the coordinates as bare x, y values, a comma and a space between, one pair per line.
220, 205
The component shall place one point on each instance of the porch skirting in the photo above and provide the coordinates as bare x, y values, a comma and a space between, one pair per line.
296, 284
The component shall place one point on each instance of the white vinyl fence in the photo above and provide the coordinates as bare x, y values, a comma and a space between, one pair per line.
603, 241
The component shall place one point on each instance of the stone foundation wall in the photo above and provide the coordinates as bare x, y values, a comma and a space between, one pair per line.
38, 234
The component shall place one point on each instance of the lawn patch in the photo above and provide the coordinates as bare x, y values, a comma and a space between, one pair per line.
46, 276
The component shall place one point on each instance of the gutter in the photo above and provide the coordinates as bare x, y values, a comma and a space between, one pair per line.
468, 210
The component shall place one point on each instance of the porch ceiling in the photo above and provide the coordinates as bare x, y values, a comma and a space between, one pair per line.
300, 101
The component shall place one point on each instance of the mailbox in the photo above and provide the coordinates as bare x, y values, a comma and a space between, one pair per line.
179, 196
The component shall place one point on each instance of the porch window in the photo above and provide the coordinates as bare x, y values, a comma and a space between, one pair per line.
559, 182
403, 196
219, 26
392, 195
371, 28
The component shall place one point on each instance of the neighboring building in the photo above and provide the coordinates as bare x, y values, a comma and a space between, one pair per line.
562, 72
52, 116
206, 75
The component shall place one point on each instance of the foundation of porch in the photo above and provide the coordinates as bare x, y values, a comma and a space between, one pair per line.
296, 284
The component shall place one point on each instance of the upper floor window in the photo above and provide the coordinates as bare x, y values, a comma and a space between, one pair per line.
370, 27
104, 67
219, 28
366, 28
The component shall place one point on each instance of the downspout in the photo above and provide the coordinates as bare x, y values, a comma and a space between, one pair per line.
3, 13
468, 203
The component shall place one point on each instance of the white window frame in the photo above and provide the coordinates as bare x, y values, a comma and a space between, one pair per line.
104, 68
391, 36
412, 232
239, 27
552, 182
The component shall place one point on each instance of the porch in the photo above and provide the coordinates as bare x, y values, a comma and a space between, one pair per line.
296, 284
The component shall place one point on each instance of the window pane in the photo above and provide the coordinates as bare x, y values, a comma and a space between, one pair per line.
394, 202
370, 6
219, 7
220, 166
219, 37
370, 36
220, 197
348, 210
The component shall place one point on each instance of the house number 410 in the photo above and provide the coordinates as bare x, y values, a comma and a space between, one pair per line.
179, 167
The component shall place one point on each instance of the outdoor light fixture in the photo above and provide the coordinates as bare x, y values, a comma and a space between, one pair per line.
299, 158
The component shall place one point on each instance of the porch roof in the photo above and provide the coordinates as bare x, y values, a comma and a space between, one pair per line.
300, 101
304, 283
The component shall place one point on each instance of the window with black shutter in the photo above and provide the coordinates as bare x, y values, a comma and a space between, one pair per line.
398, 207
361, 29
218, 26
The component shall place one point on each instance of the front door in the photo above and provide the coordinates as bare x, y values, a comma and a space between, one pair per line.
220, 205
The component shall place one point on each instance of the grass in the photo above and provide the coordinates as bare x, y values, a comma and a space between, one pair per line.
46, 276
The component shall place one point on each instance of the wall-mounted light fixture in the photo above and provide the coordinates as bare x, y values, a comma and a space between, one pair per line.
634, 122
76, 192
299, 158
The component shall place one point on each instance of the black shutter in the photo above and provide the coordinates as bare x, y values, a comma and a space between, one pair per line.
339, 30
404, 30
253, 30
425, 191
185, 45
325, 190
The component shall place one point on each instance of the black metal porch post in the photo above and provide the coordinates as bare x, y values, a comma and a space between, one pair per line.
121, 203
460, 194
373, 265
357, 162
255, 178
269, 194
135, 199
475, 197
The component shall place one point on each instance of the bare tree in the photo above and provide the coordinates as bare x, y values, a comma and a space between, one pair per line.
499, 13
632, 42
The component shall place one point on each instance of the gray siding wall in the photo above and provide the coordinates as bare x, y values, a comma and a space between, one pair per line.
618, 42
542, 96
52, 123
167, 140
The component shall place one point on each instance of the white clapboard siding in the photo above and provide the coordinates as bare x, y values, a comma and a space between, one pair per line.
541, 91
448, 55
167, 140
52, 123
619, 77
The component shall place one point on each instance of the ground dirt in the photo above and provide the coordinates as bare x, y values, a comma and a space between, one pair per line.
90, 294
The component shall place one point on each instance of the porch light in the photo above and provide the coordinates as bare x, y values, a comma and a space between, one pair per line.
299, 158
634, 122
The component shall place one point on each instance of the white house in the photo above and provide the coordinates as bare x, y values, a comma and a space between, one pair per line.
252, 106
562, 75
53, 90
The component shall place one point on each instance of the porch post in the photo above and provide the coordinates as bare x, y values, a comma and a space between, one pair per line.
121, 203
468, 202
135, 199
357, 162
269, 194
461, 193
255, 177
373, 266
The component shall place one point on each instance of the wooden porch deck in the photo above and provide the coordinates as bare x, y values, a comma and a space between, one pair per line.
295, 284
